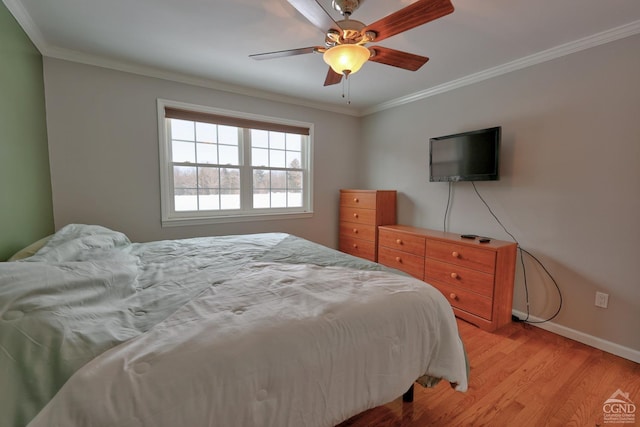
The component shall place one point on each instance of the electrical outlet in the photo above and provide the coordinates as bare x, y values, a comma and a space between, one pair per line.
602, 299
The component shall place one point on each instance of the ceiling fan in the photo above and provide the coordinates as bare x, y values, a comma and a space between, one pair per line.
345, 40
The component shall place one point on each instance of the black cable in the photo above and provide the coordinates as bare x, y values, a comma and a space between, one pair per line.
494, 215
554, 282
446, 211
524, 272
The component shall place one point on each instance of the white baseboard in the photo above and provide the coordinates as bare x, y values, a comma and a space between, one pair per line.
599, 343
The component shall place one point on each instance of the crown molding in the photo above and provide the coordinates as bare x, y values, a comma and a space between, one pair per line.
24, 20
598, 39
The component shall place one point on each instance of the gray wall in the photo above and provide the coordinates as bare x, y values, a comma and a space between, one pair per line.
26, 213
103, 142
570, 185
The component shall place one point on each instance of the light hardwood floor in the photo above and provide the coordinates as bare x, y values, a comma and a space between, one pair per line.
520, 375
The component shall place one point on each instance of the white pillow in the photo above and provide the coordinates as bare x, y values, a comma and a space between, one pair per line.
29, 250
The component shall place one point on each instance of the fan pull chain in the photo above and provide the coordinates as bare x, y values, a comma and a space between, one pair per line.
343, 86
348, 83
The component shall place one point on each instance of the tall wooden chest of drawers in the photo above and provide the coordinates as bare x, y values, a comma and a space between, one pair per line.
361, 212
477, 278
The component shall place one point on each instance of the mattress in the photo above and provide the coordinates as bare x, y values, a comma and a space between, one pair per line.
249, 330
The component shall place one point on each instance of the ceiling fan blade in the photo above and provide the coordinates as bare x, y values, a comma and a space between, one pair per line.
414, 15
396, 58
315, 14
332, 78
283, 53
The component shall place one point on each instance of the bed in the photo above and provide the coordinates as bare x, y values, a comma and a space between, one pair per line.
247, 330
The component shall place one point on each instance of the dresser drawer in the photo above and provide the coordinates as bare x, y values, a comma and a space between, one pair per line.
409, 263
461, 277
358, 231
361, 199
468, 301
357, 215
361, 248
403, 242
463, 255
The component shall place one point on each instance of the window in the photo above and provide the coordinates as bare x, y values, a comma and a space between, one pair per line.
219, 165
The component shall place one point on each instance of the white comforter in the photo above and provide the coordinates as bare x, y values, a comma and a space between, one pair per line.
275, 344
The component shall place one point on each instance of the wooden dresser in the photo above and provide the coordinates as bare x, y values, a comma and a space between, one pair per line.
477, 278
361, 212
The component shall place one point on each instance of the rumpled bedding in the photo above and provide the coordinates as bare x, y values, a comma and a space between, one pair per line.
265, 329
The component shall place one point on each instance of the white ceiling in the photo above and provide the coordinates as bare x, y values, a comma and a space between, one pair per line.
208, 42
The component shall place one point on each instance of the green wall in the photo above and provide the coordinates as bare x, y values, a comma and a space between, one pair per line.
26, 212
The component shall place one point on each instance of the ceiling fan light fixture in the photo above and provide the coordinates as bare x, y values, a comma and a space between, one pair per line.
346, 58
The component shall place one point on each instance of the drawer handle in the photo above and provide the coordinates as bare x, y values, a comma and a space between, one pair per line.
355, 199
455, 254
355, 230
453, 296
454, 275
355, 215
355, 246
399, 241
399, 259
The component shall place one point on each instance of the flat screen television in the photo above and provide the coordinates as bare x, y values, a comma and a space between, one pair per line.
468, 156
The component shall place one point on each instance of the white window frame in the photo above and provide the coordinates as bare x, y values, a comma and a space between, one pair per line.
171, 217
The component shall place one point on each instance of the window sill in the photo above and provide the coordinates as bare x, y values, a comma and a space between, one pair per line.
179, 222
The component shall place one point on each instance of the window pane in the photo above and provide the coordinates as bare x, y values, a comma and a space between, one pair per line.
276, 140
229, 179
209, 178
185, 200
294, 180
184, 177
182, 129
278, 199
278, 180
259, 138
228, 135
293, 159
261, 199
207, 153
206, 132
182, 152
209, 199
294, 199
277, 159
261, 179
294, 142
259, 157
229, 155
230, 199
